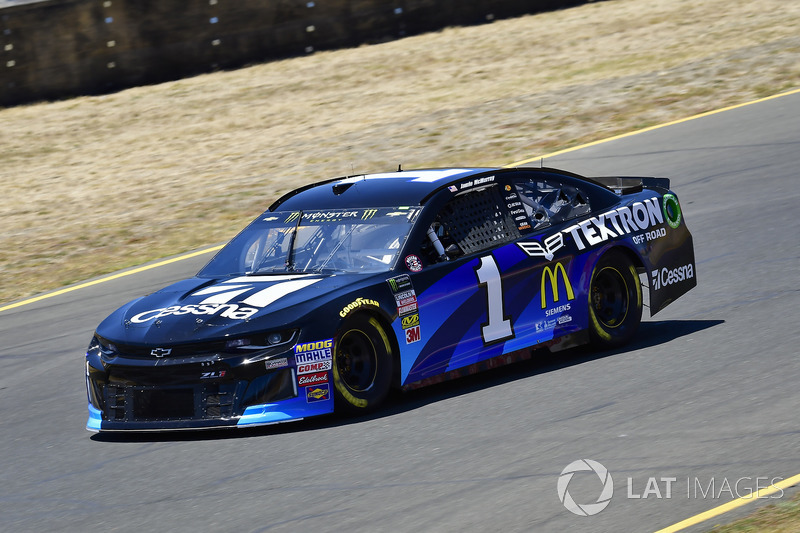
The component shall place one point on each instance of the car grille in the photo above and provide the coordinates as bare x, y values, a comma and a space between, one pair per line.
199, 402
129, 400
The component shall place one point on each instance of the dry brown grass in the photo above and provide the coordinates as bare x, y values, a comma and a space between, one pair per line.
95, 184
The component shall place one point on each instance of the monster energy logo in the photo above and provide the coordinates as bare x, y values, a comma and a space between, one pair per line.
551, 274
400, 283
368, 214
294, 216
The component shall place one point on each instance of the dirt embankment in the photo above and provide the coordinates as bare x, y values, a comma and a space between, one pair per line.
92, 185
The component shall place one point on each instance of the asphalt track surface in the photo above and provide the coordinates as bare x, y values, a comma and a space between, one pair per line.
707, 393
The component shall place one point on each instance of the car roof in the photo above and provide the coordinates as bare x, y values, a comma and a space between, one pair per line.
405, 187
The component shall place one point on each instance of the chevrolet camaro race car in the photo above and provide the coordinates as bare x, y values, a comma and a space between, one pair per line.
346, 288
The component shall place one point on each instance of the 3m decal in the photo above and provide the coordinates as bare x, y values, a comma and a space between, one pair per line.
358, 302
499, 326
312, 352
413, 334
666, 276
552, 275
318, 393
672, 210
312, 379
308, 368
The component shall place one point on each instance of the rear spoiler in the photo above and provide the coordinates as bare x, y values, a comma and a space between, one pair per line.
629, 184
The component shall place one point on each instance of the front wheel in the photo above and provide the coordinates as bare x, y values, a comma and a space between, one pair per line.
615, 301
362, 365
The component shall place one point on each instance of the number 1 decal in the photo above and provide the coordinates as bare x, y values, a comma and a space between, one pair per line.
499, 326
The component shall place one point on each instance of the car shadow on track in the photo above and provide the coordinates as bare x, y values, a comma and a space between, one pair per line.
650, 334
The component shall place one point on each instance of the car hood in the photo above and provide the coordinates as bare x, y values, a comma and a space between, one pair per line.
197, 309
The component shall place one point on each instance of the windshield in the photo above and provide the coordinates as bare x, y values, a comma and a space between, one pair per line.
355, 240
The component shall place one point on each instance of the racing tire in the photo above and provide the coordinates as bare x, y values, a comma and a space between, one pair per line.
615, 301
362, 365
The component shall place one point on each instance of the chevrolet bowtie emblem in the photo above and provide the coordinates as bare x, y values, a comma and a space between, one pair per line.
160, 352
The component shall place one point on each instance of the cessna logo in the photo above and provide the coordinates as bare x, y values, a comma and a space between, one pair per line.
547, 248
250, 298
552, 275
160, 352
664, 277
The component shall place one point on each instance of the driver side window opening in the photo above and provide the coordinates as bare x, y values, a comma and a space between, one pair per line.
470, 223
548, 202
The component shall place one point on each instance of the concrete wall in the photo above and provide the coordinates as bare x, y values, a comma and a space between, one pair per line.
59, 48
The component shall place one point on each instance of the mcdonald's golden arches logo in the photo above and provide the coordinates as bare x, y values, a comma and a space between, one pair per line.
552, 275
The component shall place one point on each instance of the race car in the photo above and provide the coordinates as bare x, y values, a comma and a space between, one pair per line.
347, 288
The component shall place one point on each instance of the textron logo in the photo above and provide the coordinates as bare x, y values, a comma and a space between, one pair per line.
586, 509
546, 249
552, 275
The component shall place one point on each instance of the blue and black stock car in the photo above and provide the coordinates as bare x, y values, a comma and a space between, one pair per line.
347, 288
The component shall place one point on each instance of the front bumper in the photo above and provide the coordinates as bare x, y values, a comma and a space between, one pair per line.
198, 393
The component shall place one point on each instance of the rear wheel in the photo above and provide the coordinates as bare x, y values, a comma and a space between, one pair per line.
615, 301
362, 365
